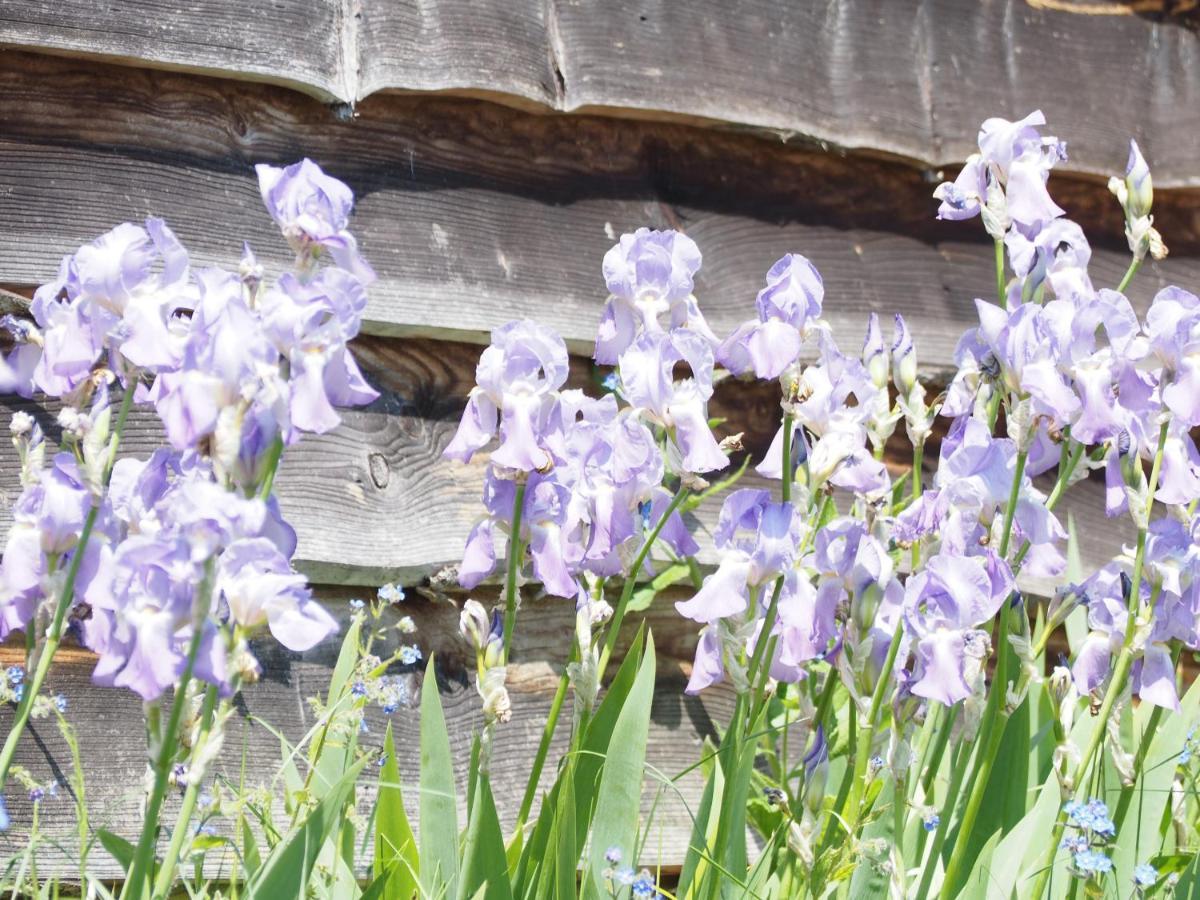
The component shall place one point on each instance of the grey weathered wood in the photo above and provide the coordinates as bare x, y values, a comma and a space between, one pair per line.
474, 214
495, 48
909, 78
109, 724
298, 43
913, 78
374, 500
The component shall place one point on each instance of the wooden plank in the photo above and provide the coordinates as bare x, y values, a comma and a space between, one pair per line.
912, 78
109, 723
475, 214
907, 78
297, 43
374, 500
495, 48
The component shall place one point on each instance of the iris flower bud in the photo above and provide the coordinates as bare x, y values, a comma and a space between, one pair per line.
1138, 183
875, 353
473, 624
904, 358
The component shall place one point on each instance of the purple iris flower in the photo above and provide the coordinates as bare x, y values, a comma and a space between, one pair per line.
1023, 343
614, 470
310, 323
168, 518
225, 357
788, 308
313, 211
117, 294
708, 667
855, 571
1173, 567
1016, 157
1056, 257
840, 397
544, 533
1173, 344
970, 493
647, 380
518, 377
48, 518
1107, 620
757, 539
649, 274
258, 586
944, 606
141, 622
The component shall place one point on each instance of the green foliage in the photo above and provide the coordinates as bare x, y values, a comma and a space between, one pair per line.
438, 851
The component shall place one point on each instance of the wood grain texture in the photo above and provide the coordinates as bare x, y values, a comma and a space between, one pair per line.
297, 43
913, 78
474, 214
109, 723
374, 501
497, 48
906, 78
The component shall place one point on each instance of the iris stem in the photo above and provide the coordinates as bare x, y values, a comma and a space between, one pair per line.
785, 495
1127, 792
862, 748
918, 462
166, 873
1000, 271
274, 452
1121, 669
539, 760
995, 717
55, 633
515, 550
1014, 496
610, 639
139, 871
1134, 265
994, 732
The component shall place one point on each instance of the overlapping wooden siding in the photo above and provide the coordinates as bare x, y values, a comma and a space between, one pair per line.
110, 725
474, 214
476, 206
374, 500
909, 78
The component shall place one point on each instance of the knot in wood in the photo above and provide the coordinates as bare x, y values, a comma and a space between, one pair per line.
380, 473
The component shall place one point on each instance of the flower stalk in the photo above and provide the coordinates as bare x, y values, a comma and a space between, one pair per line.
66, 599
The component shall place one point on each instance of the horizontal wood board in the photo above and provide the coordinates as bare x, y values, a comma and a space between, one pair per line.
474, 214
907, 78
373, 500
110, 724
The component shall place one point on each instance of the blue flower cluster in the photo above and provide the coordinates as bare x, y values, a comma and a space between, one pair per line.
1095, 829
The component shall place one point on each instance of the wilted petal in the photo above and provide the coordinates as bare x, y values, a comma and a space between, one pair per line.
961, 198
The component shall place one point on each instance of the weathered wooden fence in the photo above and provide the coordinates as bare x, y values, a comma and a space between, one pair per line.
497, 149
